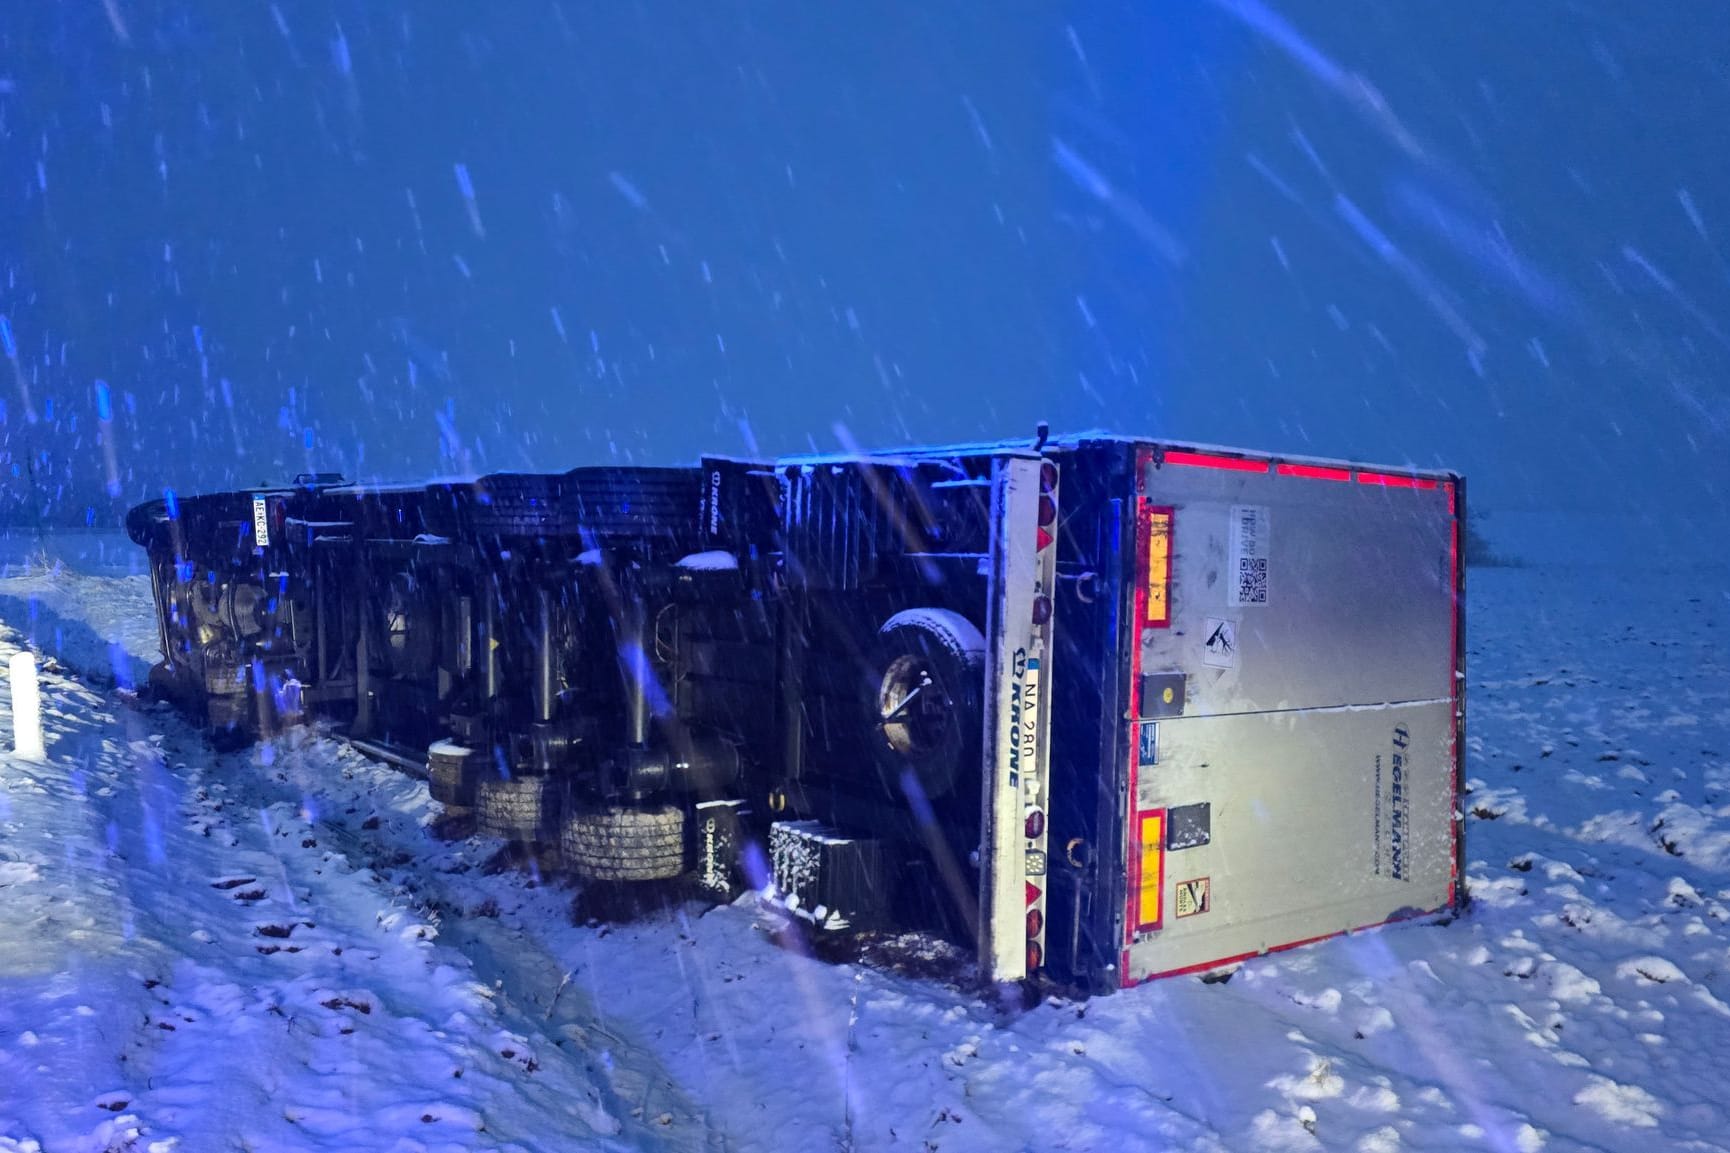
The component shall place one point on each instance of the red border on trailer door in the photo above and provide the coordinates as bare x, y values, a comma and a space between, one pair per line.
1456, 685
1313, 471
1215, 460
1394, 480
1130, 808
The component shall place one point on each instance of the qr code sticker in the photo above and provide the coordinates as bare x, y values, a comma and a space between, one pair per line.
1249, 554
1252, 580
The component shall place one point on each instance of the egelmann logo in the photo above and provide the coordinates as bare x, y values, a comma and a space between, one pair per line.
1399, 804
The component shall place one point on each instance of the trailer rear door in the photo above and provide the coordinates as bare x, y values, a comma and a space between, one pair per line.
1294, 707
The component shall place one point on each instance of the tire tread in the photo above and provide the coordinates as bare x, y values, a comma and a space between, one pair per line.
623, 844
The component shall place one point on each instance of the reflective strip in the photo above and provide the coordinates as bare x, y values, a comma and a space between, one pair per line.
1212, 460
1159, 567
1152, 870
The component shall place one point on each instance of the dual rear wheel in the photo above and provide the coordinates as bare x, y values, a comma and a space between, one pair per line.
612, 843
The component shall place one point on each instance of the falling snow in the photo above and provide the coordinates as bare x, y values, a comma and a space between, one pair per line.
244, 243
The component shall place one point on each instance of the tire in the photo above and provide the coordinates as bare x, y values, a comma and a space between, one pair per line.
452, 773
522, 810
929, 698
620, 844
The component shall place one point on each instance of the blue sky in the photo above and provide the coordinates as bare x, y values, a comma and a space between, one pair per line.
398, 239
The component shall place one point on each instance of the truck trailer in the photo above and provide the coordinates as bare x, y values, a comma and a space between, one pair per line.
1100, 709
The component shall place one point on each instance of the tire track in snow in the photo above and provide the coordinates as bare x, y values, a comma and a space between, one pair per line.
526, 983
302, 1006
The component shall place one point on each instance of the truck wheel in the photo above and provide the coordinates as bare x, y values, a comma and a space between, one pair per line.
452, 775
625, 844
522, 810
930, 694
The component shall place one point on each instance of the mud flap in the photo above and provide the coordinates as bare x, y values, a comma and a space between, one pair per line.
720, 836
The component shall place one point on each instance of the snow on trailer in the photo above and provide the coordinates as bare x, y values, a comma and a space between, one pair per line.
1205, 706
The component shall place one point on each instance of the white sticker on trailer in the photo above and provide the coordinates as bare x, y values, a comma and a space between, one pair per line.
1248, 574
260, 522
1017, 733
1024, 727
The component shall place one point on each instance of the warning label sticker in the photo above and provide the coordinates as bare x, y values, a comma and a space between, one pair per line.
1219, 644
1248, 576
1191, 897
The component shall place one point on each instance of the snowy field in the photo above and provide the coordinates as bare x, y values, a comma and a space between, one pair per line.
269, 951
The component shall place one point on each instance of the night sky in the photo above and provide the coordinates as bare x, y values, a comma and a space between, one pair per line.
243, 240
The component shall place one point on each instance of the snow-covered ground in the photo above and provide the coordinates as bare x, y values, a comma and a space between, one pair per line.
268, 950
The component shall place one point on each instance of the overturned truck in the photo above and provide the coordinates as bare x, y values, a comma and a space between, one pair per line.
1101, 709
